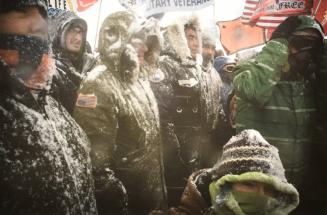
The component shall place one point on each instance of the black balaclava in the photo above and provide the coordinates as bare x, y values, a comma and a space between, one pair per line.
303, 62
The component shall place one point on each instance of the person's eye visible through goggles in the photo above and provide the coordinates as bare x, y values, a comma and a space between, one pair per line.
229, 68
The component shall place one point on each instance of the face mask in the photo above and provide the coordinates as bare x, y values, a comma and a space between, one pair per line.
253, 203
29, 58
302, 63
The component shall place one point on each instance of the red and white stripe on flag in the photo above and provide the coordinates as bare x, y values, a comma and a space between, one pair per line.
249, 9
80, 5
320, 7
84, 4
270, 13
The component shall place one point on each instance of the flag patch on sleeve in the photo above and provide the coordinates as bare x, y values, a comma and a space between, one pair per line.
86, 101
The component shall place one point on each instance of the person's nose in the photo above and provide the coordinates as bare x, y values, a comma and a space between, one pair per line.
144, 48
79, 36
260, 189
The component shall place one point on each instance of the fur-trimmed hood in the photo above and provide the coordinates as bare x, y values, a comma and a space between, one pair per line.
175, 42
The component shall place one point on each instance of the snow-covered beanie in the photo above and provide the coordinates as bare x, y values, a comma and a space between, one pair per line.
249, 157
208, 39
9, 5
250, 152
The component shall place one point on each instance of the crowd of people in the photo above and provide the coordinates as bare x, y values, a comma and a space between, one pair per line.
157, 123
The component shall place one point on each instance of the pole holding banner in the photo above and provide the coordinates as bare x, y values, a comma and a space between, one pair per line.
98, 20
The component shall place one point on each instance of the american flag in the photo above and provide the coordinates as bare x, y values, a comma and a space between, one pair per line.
320, 12
271, 19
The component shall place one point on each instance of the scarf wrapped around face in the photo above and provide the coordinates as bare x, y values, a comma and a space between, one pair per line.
29, 59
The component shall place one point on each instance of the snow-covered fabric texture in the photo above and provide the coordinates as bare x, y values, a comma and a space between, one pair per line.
211, 94
123, 126
8, 5
249, 152
213, 114
71, 68
181, 92
208, 38
44, 155
122, 26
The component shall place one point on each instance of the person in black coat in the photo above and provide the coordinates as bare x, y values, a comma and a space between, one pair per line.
45, 166
68, 37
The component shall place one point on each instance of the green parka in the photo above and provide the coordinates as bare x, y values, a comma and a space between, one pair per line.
282, 111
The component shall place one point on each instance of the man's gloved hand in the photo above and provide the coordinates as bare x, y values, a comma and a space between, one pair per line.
112, 197
286, 28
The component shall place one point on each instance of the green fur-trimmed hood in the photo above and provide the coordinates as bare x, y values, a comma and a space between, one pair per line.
223, 200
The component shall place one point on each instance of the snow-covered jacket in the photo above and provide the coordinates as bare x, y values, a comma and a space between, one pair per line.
211, 92
282, 111
120, 116
44, 155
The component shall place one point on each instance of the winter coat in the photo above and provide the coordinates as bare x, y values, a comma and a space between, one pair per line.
213, 115
177, 85
71, 69
44, 155
282, 111
211, 92
120, 115
124, 132
320, 88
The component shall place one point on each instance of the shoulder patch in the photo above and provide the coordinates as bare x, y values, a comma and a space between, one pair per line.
188, 82
158, 76
86, 101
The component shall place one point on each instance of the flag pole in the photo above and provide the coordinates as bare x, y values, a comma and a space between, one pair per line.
317, 8
97, 28
70, 4
214, 11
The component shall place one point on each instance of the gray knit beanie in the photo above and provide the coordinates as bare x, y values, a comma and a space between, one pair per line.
208, 38
250, 152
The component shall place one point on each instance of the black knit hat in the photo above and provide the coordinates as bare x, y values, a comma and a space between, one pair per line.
249, 152
8, 5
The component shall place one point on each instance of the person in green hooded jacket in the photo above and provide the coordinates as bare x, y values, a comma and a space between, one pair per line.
249, 179
275, 94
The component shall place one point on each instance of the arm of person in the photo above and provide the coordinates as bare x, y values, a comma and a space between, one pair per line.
255, 79
97, 113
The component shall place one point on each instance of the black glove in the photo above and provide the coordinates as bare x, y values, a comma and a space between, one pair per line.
286, 28
112, 197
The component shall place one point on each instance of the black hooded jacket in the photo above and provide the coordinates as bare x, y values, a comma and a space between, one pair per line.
45, 166
70, 68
